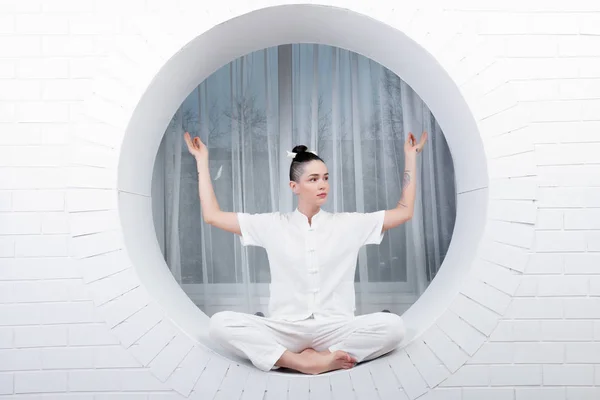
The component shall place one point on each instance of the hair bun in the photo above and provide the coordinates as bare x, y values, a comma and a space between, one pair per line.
300, 149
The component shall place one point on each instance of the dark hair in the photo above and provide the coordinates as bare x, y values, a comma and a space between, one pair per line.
302, 157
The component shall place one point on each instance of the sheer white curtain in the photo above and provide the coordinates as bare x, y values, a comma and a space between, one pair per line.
356, 115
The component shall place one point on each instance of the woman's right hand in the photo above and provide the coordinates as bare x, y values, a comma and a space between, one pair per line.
196, 147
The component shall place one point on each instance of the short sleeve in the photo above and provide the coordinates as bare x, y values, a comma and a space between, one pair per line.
256, 229
368, 227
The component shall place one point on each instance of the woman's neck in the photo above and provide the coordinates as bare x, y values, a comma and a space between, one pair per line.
309, 211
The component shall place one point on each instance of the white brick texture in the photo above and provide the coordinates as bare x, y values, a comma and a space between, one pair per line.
40, 382
40, 336
547, 393
6, 383
75, 322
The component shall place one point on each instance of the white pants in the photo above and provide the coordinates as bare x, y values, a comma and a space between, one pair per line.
263, 340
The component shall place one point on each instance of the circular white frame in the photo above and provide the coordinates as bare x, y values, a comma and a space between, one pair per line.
210, 51
150, 313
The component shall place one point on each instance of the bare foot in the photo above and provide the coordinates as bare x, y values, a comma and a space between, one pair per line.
319, 362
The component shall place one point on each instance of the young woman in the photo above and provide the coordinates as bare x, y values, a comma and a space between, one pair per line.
311, 327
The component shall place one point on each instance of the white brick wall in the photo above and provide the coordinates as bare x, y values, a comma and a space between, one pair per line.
40, 336
40, 382
6, 383
488, 393
526, 317
540, 393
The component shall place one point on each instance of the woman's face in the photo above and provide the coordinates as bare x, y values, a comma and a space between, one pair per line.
313, 185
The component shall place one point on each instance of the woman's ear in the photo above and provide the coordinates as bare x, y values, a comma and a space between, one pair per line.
294, 187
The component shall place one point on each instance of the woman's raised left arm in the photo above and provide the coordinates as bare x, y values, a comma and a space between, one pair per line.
405, 208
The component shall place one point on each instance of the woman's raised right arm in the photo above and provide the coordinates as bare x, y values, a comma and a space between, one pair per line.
211, 211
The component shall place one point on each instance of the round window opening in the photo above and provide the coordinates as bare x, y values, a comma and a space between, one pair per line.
348, 98
350, 110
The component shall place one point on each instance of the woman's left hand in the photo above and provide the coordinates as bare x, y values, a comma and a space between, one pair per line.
411, 146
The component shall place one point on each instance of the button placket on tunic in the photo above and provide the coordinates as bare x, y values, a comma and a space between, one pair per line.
312, 269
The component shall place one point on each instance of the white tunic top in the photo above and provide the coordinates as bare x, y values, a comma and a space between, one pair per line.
312, 266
